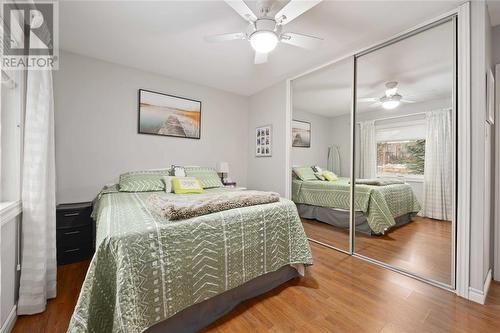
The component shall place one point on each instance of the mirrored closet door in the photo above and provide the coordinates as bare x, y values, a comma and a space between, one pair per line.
404, 168
321, 152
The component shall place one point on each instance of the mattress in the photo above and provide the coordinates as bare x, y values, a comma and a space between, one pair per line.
380, 204
341, 218
146, 269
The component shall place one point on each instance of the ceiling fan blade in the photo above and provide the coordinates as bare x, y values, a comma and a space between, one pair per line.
260, 58
241, 8
367, 100
225, 37
300, 40
294, 9
408, 101
375, 105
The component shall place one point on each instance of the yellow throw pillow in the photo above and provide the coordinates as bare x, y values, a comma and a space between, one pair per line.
330, 176
185, 185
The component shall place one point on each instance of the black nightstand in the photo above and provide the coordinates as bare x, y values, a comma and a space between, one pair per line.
75, 232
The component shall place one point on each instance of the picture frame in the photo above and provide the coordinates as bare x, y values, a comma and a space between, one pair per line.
168, 115
263, 141
490, 98
301, 134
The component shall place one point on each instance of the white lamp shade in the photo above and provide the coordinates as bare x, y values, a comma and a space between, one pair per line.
223, 167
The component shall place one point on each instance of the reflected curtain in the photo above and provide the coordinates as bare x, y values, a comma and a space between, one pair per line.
368, 150
334, 160
438, 166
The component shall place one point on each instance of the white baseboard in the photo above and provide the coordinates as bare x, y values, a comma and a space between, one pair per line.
10, 321
479, 296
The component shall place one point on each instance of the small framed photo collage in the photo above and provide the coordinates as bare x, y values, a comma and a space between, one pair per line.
263, 141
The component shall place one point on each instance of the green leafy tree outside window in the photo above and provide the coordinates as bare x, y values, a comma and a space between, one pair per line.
406, 157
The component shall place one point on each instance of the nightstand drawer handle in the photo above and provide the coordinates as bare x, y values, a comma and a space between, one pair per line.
72, 214
73, 250
72, 232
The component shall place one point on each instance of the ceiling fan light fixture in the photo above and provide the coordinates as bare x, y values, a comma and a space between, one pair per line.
264, 41
392, 88
390, 104
391, 91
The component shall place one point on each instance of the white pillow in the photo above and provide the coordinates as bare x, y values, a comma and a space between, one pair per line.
317, 169
178, 171
168, 183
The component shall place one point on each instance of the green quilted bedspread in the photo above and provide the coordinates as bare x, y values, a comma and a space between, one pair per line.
380, 204
146, 268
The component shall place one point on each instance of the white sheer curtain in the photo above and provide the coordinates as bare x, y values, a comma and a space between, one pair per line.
438, 166
333, 163
38, 266
368, 150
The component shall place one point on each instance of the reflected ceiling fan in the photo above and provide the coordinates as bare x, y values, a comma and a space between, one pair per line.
390, 100
264, 31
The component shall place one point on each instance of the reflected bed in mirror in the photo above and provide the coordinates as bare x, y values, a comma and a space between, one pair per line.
323, 100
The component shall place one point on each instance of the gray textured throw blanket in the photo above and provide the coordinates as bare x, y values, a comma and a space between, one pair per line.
378, 181
180, 207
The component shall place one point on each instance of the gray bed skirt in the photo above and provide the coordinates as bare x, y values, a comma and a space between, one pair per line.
340, 218
203, 314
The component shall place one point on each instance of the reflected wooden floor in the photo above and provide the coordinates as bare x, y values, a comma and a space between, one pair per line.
338, 294
422, 247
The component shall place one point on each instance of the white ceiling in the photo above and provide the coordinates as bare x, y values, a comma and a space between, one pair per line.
167, 37
422, 64
494, 10
327, 91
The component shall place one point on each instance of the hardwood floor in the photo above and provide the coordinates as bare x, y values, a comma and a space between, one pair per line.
422, 246
338, 294
56, 317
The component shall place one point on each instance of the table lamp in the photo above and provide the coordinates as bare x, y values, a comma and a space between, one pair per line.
222, 168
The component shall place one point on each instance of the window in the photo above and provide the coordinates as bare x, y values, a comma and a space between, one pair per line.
401, 149
401, 157
10, 135
12, 90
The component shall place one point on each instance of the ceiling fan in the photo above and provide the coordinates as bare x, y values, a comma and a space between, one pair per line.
390, 100
264, 31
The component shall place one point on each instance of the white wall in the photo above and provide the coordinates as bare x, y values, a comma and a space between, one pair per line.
481, 146
268, 107
341, 137
321, 138
495, 38
96, 127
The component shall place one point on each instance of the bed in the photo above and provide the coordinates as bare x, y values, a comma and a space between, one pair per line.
378, 208
150, 274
